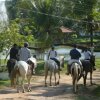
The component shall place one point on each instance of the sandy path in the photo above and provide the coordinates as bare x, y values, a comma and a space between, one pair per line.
61, 92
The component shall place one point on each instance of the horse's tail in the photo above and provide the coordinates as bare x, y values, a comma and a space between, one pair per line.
14, 72
74, 70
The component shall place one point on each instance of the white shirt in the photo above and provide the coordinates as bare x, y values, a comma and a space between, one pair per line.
52, 54
87, 54
24, 54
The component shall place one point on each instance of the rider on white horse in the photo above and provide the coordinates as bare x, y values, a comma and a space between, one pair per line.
53, 55
75, 55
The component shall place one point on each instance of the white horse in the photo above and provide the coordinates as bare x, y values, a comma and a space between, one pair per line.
75, 73
24, 71
51, 65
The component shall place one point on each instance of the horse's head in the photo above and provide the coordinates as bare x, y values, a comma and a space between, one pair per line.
92, 60
33, 63
62, 61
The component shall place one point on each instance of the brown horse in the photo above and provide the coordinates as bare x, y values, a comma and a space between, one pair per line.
10, 65
88, 67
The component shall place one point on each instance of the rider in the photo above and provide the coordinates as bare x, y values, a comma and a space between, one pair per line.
75, 55
14, 52
87, 56
24, 52
52, 55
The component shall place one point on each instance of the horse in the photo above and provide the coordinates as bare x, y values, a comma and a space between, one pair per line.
10, 65
24, 71
51, 66
88, 67
76, 71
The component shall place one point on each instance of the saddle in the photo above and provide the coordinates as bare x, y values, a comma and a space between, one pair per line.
30, 67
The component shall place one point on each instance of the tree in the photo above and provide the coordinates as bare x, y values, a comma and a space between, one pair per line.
86, 13
10, 35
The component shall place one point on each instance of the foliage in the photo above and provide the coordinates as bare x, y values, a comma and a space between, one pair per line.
42, 18
10, 35
4, 83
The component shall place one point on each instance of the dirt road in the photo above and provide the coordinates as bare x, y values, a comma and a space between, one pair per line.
61, 92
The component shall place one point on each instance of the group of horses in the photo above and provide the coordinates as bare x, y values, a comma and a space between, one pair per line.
24, 70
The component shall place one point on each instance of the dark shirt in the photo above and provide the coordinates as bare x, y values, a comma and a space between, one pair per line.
75, 54
13, 53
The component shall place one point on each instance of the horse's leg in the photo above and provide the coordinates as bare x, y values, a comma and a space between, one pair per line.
17, 83
79, 77
75, 84
22, 84
59, 77
85, 77
55, 78
29, 88
50, 77
91, 78
46, 74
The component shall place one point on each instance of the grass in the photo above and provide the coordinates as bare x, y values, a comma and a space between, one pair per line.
40, 68
4, 83
97, 63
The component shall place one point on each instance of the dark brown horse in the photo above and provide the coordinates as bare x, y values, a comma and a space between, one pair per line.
10, 65
88, 67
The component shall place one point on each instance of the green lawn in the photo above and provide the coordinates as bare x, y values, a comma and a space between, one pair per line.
97, 63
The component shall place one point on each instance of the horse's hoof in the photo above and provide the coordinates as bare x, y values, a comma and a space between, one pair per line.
75, 92
85, 85
57, 83
50, 85
17, 91
29, 90
23, 91
45, 85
